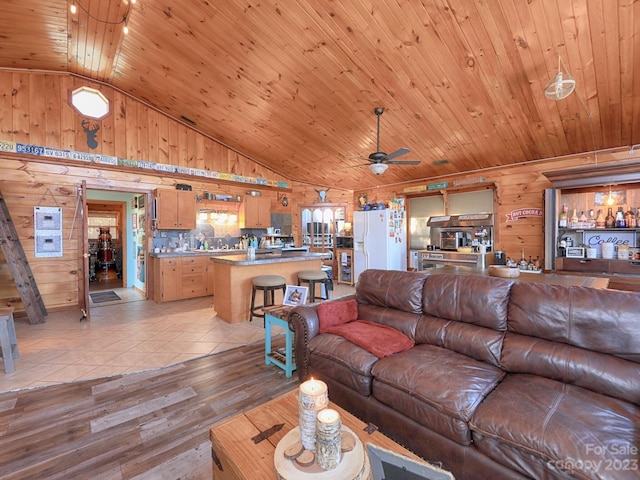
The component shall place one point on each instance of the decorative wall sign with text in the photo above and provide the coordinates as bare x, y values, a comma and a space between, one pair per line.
523, 213
38, 151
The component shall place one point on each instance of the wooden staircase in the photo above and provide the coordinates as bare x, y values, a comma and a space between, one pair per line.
19, 267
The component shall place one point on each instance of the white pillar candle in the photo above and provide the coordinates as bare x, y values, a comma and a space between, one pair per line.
312, 398
328, 448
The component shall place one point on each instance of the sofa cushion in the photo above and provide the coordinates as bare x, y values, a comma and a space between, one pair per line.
581, 336
474, 299
391, 289
335, 313
380, 340
527, 418
341, 360
437, 388
605, 321
484, 344
404, 322
599, 372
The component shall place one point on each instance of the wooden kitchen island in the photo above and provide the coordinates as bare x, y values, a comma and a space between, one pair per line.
233, 275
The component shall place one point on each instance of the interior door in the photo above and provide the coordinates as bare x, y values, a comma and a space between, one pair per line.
83, 250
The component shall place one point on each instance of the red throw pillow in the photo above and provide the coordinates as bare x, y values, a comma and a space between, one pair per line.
381, 340
331, 314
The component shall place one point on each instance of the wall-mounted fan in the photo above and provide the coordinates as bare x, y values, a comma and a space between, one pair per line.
381, 160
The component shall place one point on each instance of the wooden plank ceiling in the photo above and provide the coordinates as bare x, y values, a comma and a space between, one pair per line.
293, 84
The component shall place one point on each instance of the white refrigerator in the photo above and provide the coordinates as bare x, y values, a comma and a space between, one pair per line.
379, 241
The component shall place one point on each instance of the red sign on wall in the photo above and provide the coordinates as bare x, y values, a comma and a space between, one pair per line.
523, 213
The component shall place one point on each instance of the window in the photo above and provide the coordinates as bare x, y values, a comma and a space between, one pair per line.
101, 220
90, 102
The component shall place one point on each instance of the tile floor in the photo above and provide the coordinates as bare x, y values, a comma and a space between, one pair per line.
124, 336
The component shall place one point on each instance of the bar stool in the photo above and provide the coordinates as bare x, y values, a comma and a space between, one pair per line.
8, 339
313, 277
268, 284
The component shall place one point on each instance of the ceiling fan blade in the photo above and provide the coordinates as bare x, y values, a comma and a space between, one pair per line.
403, 162
357, 157
397, 153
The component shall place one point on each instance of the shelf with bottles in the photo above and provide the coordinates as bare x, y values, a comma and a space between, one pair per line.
598, 229
589, 219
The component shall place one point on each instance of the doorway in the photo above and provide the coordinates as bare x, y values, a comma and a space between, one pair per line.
116, 235
105, 231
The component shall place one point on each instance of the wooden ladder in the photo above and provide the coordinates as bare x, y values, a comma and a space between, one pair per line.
19, 267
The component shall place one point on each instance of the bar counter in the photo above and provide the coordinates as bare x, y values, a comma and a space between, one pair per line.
525, 276
234, 273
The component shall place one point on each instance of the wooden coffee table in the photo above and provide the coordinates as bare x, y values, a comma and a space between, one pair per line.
236, 456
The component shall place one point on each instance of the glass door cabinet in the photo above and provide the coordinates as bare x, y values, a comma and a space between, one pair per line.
320, 224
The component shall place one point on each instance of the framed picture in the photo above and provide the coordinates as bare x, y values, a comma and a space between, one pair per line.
134, 202
141, 201
134, 220
295, 295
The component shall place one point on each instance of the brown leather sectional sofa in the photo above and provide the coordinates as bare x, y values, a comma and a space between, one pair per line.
506, 379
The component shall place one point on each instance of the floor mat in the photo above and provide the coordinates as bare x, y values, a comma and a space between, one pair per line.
101, 297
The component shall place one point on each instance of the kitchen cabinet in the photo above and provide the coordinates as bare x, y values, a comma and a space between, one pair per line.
166, 279
175, 209
177, 278
345, 265
255, 212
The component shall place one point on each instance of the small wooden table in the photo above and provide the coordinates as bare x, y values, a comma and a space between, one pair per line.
278, 315
236, 456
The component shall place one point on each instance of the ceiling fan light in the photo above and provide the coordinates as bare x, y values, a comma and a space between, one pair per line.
378, 168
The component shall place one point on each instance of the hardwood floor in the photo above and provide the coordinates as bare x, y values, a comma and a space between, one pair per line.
147, 425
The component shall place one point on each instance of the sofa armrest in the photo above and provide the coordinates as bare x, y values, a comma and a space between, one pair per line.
303, 322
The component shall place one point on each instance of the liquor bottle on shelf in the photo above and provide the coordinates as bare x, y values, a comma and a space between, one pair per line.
582, 220
573, 221
630, 218
563, 218
523, 264
600, 220
591, 220
610, 220
619, 222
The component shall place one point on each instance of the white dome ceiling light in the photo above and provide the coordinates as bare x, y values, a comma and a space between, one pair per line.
378, 168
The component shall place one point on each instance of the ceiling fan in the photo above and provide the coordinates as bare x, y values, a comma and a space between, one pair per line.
560, 86
381, 160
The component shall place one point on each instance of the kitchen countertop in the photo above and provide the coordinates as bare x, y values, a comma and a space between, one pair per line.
210, 252
266, 258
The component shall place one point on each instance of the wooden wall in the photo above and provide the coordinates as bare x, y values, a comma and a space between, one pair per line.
34, 110
516, 187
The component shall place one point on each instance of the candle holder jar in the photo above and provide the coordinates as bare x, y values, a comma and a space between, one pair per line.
312, 398
328, 447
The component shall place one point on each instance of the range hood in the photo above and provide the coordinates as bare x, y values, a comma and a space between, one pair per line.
466, 220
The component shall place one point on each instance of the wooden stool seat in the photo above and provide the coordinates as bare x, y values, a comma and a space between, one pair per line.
8, 340
268, 284
313, 277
